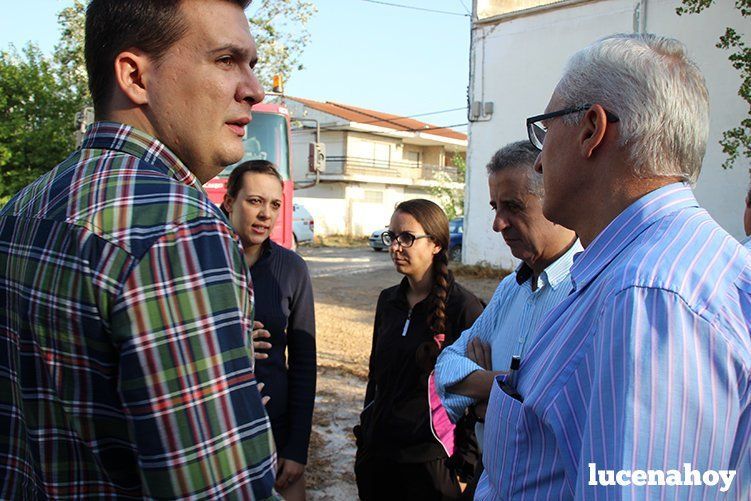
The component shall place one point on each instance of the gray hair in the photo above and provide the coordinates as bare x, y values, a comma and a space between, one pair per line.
521, 154
656, 91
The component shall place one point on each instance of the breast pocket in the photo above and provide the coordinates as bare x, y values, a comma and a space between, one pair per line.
505, 440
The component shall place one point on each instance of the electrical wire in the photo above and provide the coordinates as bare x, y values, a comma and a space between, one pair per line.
435, 128
421, 129
416, 8
393, 120
425, 114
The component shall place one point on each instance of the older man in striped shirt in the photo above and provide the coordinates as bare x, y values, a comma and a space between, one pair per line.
639, 384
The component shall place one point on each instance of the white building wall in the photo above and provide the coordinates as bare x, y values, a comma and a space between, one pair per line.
301, 138
357, 209
524, 58
326, 203
370, 205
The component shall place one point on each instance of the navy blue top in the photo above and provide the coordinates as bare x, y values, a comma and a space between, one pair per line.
284, 304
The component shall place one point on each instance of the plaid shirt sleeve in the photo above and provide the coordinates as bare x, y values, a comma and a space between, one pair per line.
182, 324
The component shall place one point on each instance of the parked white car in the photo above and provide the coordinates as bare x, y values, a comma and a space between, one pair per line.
302, 224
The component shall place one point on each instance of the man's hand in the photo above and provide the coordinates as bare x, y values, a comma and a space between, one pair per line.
477, 385
479, 353
480, 409
260, 333
287, 473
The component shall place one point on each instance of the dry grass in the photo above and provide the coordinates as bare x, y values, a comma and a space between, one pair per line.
359, 371
336, 241
318, 472
329, 475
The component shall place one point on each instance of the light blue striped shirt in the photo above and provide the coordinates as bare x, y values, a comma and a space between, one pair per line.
646, 366
507, 324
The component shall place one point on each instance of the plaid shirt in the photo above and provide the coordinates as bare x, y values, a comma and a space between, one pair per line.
125, 317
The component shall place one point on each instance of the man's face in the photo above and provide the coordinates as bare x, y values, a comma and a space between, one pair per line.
201, 92
518, 215
747, 216
557, 164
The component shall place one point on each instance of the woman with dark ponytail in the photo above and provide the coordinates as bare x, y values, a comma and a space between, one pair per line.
401, 452
284, 331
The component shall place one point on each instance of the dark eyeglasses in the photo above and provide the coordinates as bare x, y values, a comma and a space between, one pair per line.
404, 239
536, 130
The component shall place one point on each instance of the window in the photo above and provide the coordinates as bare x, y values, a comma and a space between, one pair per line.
370, 153
412, 156
373, 197
381, 154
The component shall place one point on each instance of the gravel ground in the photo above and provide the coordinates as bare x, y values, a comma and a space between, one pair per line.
345, 306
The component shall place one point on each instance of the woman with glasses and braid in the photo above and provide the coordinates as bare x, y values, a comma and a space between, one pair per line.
403, 448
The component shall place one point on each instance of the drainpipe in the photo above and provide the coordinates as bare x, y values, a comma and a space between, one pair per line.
640, 17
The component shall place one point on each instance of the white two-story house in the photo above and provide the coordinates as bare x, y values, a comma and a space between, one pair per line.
374, 160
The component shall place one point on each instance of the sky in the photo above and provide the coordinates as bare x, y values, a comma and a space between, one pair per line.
390, 59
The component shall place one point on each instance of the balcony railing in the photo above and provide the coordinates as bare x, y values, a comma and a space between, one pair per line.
382, 168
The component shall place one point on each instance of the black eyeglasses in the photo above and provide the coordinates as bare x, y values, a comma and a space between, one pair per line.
536, 130
404, 239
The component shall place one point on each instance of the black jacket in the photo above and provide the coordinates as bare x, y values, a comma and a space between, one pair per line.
395, 419
284, 304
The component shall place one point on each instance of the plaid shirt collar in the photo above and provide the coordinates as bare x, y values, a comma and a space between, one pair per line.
128, 139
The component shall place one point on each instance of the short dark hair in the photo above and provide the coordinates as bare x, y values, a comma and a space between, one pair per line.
235, 181
520, 154
113, 26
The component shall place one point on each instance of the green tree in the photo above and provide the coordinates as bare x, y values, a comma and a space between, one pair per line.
450, 199
280, 30
36, 117
736, 141
69, 53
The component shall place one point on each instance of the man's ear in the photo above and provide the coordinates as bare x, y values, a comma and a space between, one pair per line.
130, 67
592, 130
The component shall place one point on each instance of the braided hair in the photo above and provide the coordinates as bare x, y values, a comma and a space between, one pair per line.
435, 223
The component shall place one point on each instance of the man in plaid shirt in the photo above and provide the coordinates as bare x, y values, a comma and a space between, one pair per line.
126, 307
